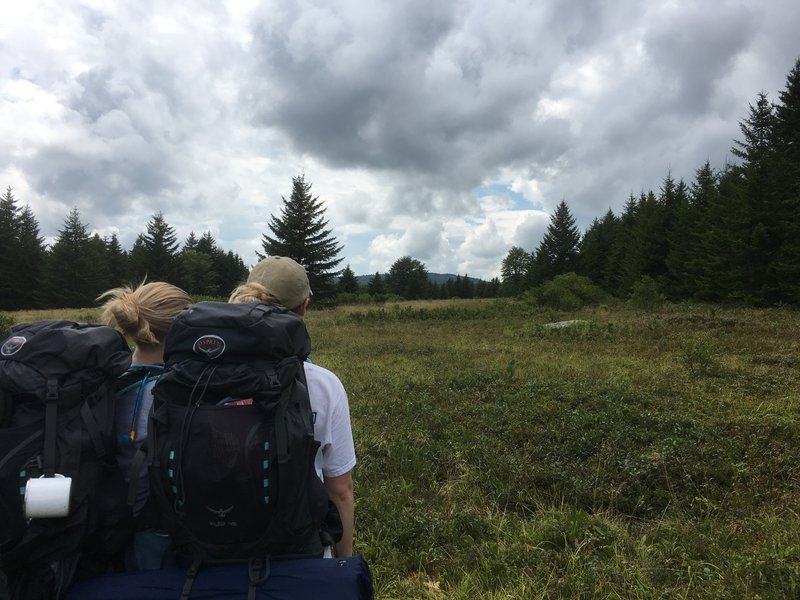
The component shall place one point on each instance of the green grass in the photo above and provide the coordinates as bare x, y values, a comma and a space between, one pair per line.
634, 455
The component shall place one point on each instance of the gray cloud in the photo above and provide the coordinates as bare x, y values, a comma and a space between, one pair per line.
397, 112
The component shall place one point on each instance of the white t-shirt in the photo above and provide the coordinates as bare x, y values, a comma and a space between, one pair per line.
336, 455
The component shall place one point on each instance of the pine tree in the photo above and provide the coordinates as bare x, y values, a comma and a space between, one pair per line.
301, 232
190, 243
155, 253
787, 180
70, 266
557, 253
621, 252
375, 286
687, 259
8, 255
30, 259
118, 262
596, 247
757, 178
200, 266
348, 284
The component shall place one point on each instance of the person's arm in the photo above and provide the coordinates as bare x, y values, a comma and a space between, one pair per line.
340, 492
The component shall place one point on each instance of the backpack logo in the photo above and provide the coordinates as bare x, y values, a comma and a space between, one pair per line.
13, 345
210, 346
222, 517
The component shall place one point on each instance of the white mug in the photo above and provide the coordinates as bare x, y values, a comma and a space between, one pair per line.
47, 497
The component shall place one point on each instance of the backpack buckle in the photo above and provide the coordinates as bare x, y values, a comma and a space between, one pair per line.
52, 391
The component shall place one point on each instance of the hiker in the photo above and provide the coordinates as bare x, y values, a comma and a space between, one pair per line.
282, 281
143, 315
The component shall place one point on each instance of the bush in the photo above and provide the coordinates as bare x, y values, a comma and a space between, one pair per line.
6, 322
569, 292
645, 294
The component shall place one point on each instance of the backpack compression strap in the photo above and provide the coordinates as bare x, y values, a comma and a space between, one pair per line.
50, 422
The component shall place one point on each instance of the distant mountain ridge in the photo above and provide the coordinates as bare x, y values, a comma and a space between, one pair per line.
437, 278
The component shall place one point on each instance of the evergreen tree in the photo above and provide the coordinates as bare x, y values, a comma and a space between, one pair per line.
190, 243
687, 259
787, 179
155, 253
301, 232
408, 278
493, 288
646, 251
514, 271
465, 287
557, 253
118, 262
757, 178
197, 273
9, 212
30, 259
674, 201
21, 255
70, 266
348, 284
724, 266
101, 277
621, 249
231, 271
375, 286
596, 249
201, 268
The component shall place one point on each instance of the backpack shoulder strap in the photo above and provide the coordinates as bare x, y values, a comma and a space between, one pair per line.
137, 377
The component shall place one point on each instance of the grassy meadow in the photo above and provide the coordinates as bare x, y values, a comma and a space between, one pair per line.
630, 455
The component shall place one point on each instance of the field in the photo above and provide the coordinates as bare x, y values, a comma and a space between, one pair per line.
629, 455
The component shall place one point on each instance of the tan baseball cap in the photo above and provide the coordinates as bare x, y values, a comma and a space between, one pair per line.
283, 278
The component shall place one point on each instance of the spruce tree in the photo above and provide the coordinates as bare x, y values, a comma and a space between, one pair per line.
70, 266
375, 286
30, 262
760, 194
596, 247
557, 253
347, 284
787, 180
9, 213
687, 261
118, 262
301, 232
155, 253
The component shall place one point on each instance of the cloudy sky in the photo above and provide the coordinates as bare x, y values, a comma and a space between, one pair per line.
444, 130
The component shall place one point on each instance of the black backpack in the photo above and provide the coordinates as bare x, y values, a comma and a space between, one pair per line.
57, 408
231, 438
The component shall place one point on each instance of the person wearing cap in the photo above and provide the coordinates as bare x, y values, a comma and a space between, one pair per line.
281, 280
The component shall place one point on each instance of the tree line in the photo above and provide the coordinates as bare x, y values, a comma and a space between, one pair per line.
78, 265
731, 235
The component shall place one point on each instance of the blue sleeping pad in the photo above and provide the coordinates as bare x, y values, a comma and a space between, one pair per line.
301, 579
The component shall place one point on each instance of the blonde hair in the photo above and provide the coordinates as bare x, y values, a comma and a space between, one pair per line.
252, 292
145, 314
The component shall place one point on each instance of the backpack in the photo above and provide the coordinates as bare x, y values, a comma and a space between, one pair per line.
56, 387
231, 437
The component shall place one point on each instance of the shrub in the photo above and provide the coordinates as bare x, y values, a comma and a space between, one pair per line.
700, 357
569, 292
6, 322
645, 294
